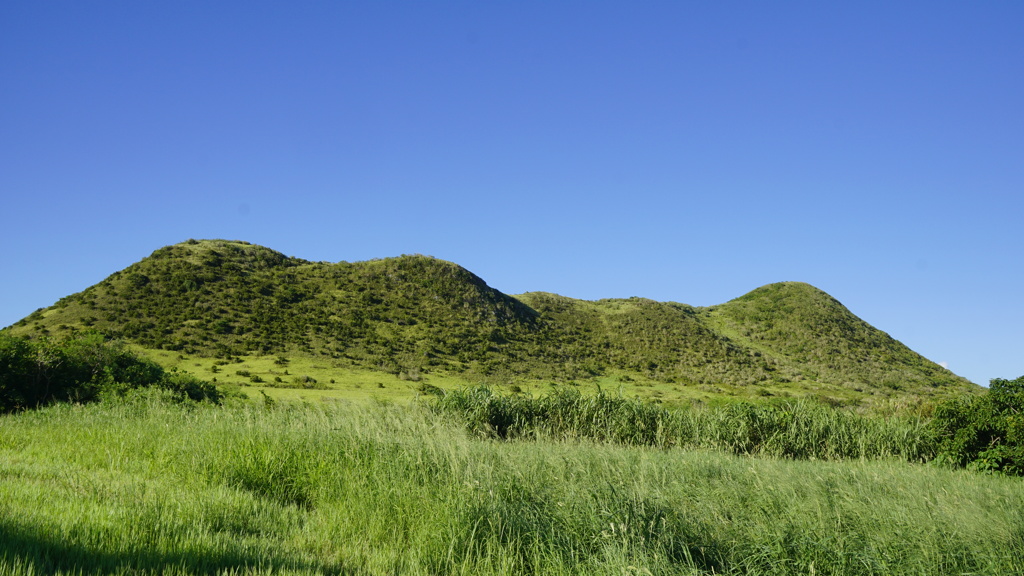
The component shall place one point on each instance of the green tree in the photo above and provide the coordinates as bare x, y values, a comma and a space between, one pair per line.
984, 432
35, 373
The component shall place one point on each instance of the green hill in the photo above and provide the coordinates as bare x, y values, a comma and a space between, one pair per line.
414, 316
813, 336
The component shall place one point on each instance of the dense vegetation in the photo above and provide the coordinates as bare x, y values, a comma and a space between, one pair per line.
800, 430
143, 486
36, 373
985, 432
415, 315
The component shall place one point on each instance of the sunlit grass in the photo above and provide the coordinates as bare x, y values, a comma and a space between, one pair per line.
146, 486
334, 381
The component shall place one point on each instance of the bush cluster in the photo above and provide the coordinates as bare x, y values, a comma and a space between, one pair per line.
34, 373
984, 432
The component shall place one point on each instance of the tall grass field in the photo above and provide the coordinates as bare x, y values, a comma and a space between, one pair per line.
146, 485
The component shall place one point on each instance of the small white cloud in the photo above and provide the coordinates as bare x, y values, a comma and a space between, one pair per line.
944, 365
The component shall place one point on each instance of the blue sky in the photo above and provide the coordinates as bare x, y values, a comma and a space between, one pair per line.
684, 151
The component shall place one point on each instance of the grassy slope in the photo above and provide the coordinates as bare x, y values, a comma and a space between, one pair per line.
811, 336
411, 318
147, 487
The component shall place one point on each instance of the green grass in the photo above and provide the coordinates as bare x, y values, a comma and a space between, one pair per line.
800, 429
149, 486
361, 384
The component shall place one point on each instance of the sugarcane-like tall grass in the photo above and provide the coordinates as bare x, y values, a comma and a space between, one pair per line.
798, 429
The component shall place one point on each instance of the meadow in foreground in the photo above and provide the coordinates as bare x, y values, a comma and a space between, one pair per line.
147, 485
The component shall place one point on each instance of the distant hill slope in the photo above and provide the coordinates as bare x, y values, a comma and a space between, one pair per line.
812, 336
416, 314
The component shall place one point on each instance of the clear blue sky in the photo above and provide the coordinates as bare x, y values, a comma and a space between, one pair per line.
685, 151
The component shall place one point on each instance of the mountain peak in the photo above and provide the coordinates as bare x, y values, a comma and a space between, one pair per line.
214, 253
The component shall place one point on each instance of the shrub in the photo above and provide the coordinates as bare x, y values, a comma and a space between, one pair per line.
36, 373
984, 432
187, 386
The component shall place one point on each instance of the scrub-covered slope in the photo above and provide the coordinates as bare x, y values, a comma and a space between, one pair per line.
417, 314
812, 336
